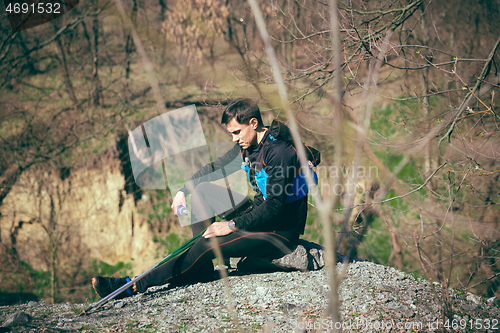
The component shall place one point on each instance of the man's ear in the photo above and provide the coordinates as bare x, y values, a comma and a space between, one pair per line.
254, 123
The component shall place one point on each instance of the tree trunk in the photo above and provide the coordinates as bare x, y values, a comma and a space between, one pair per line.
95, 73
396, 258
53, 282
163, 7
29, 59
10, 177
233, 39
67, 80
129, 45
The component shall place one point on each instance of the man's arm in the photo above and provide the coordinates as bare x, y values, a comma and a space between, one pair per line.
214, 170
210, 172
279, 167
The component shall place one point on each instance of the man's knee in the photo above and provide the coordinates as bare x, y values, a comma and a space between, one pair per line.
200, 247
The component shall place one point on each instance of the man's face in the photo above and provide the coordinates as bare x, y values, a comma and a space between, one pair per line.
243, 134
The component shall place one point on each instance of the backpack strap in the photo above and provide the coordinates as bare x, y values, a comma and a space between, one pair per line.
246, 166
282, 132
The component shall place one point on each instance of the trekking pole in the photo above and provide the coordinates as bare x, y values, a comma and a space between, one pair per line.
236, 208
118, 291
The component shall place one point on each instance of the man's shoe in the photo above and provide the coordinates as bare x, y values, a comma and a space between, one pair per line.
104, 286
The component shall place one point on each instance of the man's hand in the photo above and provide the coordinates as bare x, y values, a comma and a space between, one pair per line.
217, 229
179, 200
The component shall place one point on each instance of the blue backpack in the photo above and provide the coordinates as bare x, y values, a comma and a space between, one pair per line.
298, 188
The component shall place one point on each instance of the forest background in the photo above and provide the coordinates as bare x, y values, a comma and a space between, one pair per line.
415, 163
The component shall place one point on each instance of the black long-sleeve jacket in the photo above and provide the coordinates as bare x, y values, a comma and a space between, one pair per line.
274, 163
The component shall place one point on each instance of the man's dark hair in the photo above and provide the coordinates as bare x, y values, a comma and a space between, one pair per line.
242, 109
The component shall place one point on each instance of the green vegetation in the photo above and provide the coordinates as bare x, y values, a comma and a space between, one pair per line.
39, 281
376, 246
256, 326
104, 269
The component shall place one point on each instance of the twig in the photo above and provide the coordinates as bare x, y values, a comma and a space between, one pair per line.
454, 71
417, 245
469, 96
400, 196
487, 279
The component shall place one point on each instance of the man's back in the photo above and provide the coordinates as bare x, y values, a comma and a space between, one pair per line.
273, 165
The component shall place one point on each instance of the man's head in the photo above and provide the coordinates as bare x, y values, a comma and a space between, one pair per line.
243, 120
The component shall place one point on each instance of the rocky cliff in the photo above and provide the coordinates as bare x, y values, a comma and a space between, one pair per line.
83, 215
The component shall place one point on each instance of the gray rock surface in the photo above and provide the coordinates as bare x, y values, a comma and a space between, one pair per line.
306, 256
16, 318
473, 298
370, 296
491, 300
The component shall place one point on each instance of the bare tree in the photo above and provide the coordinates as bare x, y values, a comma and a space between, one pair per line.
95, 60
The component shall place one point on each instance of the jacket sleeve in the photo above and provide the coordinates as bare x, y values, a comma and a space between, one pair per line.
279, 167
223, 166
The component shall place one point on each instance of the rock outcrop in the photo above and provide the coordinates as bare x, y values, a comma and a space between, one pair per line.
373, 298
96, 219
306, 256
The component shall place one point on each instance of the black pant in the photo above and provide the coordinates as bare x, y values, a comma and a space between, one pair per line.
192, 263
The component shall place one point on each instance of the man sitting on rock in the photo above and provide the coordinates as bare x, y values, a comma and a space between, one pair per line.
270, 229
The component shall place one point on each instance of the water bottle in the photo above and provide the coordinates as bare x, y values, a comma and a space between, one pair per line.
182, 211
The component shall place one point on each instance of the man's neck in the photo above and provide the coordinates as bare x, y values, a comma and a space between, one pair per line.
260, 133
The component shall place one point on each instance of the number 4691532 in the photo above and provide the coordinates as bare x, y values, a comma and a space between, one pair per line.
477, 324
48, 7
